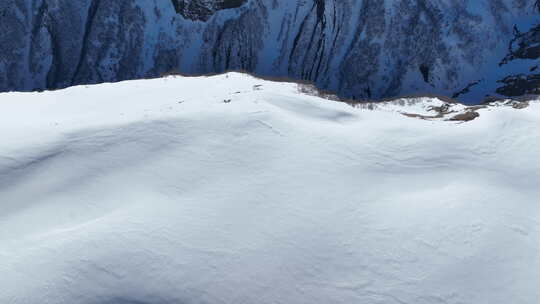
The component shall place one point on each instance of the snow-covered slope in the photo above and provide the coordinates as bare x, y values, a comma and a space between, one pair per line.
231, 189
359, 48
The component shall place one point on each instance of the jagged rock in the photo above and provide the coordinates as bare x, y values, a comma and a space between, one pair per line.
203, 9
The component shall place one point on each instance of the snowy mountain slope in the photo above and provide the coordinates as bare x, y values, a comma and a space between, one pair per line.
363, 49
233, 189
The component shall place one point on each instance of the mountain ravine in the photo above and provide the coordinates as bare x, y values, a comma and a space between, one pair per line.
365, 49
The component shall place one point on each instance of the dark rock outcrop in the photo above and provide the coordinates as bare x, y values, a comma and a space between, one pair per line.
520, 85
203, 9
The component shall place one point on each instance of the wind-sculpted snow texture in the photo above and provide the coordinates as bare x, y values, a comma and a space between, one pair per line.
358, 48
231, 189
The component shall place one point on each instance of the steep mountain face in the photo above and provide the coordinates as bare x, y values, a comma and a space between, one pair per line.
364, 49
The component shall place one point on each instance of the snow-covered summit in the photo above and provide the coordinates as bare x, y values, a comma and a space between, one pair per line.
232, 189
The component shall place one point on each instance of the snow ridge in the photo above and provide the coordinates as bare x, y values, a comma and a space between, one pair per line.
230, 189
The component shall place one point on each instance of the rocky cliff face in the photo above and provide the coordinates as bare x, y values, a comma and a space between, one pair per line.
359, 48
523, 47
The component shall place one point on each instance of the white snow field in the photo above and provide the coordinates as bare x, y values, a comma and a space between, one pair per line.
158, 191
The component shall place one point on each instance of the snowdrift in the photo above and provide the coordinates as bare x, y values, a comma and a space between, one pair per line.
231, 189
